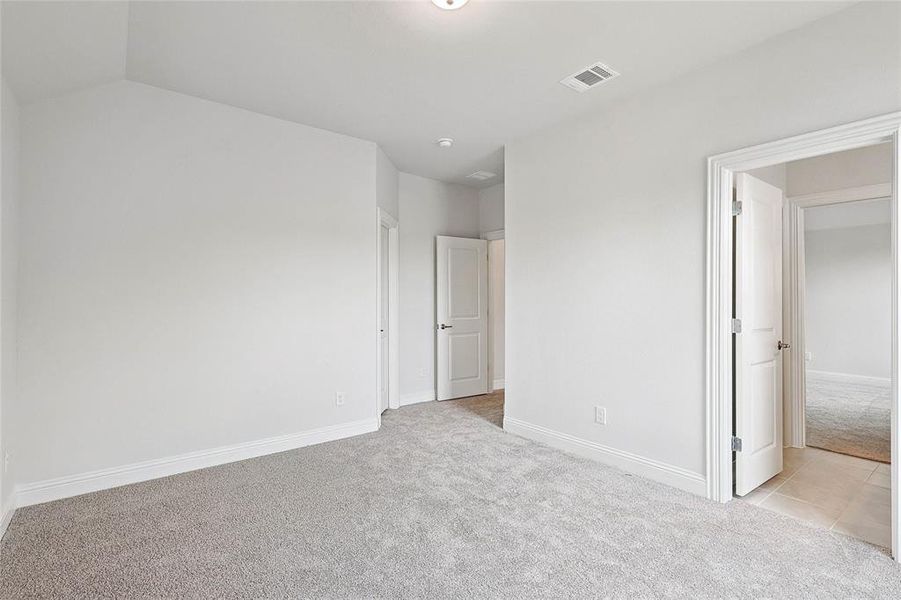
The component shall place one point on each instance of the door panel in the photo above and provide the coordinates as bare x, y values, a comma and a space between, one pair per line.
462, 309
758, 360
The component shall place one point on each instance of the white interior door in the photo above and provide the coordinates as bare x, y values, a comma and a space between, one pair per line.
758, 355
384, 324
462, 312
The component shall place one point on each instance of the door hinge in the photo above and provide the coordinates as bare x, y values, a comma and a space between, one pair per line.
736, 208
736, 325
736, 444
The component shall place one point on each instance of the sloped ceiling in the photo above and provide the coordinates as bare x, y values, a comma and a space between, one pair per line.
399, 73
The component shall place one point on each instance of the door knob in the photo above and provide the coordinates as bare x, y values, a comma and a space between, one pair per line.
443, 326
783, 346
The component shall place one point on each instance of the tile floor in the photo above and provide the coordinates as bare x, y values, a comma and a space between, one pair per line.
844, 493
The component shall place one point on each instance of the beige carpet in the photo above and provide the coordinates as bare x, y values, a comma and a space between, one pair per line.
849, 417
440, 503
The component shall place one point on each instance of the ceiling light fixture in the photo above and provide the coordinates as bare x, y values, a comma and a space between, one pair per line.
445, 142
449, 4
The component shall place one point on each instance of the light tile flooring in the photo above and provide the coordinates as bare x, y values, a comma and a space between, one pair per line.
847, 494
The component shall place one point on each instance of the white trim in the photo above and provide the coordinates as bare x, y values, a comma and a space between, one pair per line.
849, 377
853, 194
795, 297
492, 292
417, 397
83, 483
388, 221
6, 518
632, 463
497, 234
718, 344
794, 382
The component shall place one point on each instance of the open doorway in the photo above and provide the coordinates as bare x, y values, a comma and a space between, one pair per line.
470, 323
387, 360
846, 281
821, 230
757, 343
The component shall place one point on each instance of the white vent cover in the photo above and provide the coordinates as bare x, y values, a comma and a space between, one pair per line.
481, 175
589, 77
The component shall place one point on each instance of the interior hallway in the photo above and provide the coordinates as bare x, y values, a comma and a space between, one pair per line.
440, 502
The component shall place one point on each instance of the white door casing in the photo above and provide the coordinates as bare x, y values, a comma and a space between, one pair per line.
384, 322
386, 342
758, 356
462, 317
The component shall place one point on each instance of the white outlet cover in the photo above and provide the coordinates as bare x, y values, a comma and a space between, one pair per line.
339, 398
808, 356
600, 415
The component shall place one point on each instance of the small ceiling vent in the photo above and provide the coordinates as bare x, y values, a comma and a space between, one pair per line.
481, 175
589, 77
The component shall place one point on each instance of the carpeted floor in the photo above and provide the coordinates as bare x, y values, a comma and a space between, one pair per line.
440, 503
849, 417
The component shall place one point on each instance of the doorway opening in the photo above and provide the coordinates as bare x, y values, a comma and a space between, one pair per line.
756, 342
826, 244
470, 323
387, 349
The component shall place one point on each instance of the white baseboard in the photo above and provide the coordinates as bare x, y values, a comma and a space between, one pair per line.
632, 463
848, 377
74, 485
417, 397
497, 384
5, 519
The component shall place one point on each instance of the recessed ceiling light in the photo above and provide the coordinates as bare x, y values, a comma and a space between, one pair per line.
445, 142
449, 4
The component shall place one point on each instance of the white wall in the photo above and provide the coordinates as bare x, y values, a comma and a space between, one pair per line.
496, 316
774, 175
491, 208
429, 208
192, 276
386, 184
848, 214
852, 168
605, 233
9, 199
849, 299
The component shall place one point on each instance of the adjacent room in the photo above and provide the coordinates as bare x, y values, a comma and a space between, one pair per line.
449, 299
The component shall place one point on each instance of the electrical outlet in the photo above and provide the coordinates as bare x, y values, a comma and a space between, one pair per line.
600, 415
339, 398
808, 356
423, 372
6, 457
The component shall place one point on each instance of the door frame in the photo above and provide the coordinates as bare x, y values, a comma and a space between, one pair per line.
719, 294
391, 224
796, 296
492, 236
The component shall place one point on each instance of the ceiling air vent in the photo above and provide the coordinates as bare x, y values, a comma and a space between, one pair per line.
481, 175
589, 77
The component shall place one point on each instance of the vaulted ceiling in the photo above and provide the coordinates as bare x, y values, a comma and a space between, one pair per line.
401, 74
